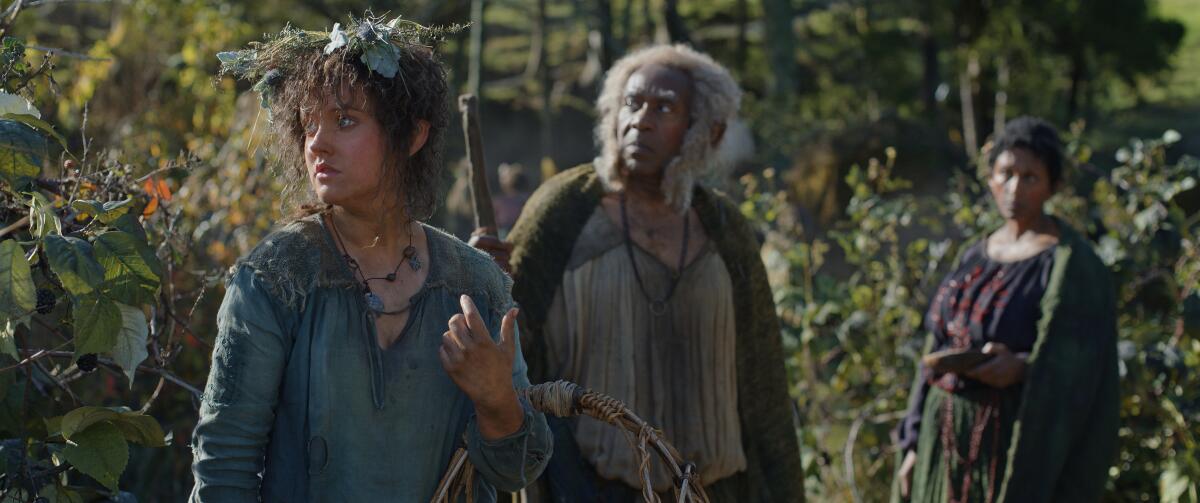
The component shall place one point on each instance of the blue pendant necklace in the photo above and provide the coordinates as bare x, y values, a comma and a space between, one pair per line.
373, 301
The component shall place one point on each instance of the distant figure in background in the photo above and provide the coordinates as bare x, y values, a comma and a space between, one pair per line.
638, 281
1037, 422
459, 215
515, 187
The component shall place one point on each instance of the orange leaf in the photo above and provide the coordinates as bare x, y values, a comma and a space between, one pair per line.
164, 191
151, 207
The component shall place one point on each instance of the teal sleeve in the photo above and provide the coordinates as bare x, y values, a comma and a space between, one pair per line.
510, 463
238, 406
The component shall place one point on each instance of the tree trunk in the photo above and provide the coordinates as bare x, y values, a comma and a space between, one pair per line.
604, 24
677, 30
458, 65
1000, 114
966, 94
741, 49
781, 43
475, 64
626, 24
1078, 71
537, 43
544, 118
932, 76
648, 18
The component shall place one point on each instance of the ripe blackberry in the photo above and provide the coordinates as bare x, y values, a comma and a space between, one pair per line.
45, 301
87, 363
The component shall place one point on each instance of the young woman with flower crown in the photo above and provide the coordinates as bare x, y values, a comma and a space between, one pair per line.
359, 347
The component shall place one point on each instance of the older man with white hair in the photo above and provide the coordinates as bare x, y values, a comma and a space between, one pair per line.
636, 280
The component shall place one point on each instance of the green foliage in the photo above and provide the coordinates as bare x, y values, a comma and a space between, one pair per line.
128, 274
21, 152
97, 321
105, 212
852, 312
99, 452
133, 426
35, 122
16, 282
73, 261
130, 347
76, 239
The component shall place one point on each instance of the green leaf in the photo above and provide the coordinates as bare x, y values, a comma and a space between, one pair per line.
8, 339
130, 348
17, 293
12, 403
72, 260
16, 495
128, 222
81, 419
141, 429
59, 494
13, 104
53, 426
97, 323
42, 218
100, 452
37, 123
105, 212
6, 380
382, 58
21, 152
12, 53
127, 275
134, 426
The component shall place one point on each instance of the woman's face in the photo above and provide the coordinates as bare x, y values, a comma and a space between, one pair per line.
344, 152
1020, 184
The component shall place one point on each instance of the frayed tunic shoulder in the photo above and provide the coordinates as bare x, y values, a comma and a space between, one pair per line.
303, 405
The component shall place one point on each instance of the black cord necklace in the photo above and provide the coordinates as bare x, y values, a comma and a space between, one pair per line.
374, 303
657, 306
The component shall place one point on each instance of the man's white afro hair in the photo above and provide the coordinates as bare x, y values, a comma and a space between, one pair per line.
715, 101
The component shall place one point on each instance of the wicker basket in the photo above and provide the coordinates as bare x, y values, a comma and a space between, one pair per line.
567, 399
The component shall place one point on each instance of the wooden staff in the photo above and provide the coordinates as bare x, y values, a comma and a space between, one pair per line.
481, 198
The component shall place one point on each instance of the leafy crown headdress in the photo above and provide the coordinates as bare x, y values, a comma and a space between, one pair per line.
378, 44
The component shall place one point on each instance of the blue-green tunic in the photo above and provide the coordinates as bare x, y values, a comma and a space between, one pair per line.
303, 405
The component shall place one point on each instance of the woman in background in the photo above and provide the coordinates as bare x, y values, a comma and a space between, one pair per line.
1038, 420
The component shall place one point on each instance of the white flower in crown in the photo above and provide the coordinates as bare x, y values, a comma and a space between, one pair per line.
337, 38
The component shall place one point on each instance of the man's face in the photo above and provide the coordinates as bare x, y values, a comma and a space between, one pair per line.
653, 118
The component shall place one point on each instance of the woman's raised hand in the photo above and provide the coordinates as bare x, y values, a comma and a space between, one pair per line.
482, 368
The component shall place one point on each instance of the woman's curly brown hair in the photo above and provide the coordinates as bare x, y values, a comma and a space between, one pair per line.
418, 92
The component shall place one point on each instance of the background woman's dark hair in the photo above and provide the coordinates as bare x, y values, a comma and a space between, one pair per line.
417, 92
1036, 136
